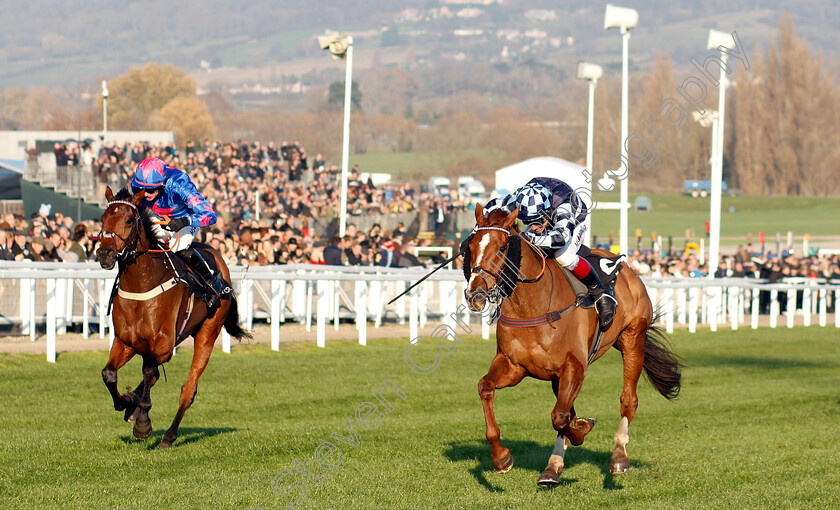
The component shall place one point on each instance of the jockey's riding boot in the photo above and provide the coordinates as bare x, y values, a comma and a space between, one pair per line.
215, 286
604, 299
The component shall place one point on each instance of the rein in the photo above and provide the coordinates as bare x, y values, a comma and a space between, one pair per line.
539, 254
479, 270
133, 236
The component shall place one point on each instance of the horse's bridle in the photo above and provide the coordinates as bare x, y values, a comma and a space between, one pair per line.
480, 270
130, 241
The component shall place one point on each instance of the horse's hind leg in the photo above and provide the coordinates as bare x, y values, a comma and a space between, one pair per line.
119, 356
632, 347
502, 373
204, 341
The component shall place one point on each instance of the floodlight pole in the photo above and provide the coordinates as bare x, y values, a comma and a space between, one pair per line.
345, 149
104, 110
623, 198
589, 142
717, 176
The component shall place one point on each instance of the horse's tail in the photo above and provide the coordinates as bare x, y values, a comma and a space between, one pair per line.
232, 321
662, 367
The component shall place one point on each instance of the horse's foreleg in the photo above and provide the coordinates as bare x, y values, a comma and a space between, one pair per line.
201, 355
633, 357
566, 387
551, 475
502, 373
119, 356
142, 422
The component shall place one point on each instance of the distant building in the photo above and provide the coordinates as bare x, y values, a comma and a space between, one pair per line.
14, 144
471, 2
508, 34
465, 32
470, 12
540, 15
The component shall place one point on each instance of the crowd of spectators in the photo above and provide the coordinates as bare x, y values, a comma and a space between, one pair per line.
232, 175
298, 200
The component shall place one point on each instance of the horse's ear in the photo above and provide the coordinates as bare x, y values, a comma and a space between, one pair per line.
508, 222
109, 195
480, 220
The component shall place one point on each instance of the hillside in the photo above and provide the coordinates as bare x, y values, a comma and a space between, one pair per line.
73, 44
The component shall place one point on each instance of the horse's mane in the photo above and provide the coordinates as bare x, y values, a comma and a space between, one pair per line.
147, 217
513, 261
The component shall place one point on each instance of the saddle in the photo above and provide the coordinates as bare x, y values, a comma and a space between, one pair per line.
197, 286
196, 283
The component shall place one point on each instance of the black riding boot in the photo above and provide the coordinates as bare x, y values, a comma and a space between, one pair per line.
216, 286
604, 299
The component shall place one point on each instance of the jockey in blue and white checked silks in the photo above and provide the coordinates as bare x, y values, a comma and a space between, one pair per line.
553, 214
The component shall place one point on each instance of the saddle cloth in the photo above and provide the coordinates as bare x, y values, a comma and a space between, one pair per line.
606, 267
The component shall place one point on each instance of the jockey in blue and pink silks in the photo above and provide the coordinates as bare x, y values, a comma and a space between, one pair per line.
170, 193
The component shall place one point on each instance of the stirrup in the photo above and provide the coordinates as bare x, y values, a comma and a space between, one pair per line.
607, 295
606, 322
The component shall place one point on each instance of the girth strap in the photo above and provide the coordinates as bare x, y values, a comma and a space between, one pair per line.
156, 291
539, 321
552, 317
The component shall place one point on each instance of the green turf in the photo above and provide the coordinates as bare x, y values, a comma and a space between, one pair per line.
754, 427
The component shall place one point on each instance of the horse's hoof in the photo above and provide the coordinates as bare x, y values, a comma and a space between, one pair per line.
584, 424
618, 466
141, 434
548, 478
167, 440
504, 465
143, 428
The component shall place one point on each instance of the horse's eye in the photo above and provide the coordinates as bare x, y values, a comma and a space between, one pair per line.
130, 221
503, 249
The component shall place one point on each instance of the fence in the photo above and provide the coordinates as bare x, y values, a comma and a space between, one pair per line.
60, 295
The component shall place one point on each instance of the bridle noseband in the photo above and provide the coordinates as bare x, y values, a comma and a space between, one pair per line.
130, 241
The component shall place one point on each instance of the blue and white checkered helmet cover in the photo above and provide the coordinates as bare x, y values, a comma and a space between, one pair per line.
534, 202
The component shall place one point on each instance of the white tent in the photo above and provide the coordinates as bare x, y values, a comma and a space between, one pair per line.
514, 176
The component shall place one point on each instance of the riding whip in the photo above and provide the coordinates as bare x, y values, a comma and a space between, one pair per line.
421, 280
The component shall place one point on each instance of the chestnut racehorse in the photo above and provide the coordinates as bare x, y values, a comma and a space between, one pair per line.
153, 311
558, 350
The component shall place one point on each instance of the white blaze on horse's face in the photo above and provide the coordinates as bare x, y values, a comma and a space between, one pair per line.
482, 249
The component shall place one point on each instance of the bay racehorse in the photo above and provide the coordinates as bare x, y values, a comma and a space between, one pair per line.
155, 310
558, 347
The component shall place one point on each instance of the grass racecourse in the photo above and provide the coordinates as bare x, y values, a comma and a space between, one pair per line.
757, 426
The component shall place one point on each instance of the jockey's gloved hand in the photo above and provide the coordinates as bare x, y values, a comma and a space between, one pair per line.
176, 224
534, 229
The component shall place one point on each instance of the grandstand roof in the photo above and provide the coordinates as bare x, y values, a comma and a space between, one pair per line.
15, 165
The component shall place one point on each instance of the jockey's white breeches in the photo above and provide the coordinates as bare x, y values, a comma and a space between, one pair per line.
567, 256
176, 241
